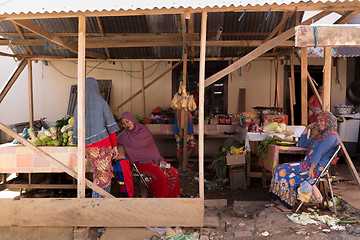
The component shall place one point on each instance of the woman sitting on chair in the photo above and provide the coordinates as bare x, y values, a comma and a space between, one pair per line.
143, 152
287, 177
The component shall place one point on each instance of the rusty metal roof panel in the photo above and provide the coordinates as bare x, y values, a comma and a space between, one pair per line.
66, 6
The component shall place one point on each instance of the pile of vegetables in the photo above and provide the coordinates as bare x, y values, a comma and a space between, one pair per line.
262, 148
275, 127
234, 150
58, 135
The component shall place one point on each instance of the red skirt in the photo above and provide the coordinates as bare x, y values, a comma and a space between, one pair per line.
163, 184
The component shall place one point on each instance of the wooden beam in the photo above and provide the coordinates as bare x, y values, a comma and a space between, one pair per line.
134, 212
328, 36
107, 42
350, 164
277, 84
327, 78
18, 29
147, 85
53, 38
202, 103
102, 34
292, 71
143, 88
304, 99
260, 50
14, 76
31, 95
191, 28
217, 38
347, 17
184, 117
53, 160
291, 101
81, 108
278, 28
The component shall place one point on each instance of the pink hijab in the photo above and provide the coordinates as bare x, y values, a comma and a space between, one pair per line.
139, 143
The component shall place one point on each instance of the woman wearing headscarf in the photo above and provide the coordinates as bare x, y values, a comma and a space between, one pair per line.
100, 135
287, 177
142, 151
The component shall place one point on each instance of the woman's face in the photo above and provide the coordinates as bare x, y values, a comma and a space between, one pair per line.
320, 123
127, 124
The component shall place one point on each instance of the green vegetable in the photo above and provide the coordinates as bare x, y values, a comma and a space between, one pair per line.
54, 142
219, 164
62, 122
262, 148
31, 133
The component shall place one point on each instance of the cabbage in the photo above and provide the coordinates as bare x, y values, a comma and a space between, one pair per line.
283, 127
271, 127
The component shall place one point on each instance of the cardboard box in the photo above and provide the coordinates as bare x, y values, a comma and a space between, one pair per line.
268, 118
236, 159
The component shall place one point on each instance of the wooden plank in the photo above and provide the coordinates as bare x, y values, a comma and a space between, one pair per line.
304, 100
98, 20
291, 102
217, 38
38, 186
30, 91
350, 164
278, 28
81, 108
277, 84
143, 88
292, 71
147, 85
134, 212
53, 38
327, 78
328, 36
202, 102
260, 50
18, 29
53, 160
14, 76
347, 17
184, 118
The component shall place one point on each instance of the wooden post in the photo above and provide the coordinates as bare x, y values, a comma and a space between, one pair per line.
327, 78
292, 70
291, 102
184, 117
277, 87
304, 100
31, 98
201, 102
81, 108
14, 76
143, 87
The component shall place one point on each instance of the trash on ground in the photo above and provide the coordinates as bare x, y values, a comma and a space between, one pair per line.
308, 218
264, 234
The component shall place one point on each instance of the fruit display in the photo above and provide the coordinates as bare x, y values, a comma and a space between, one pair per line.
59, 135
236, 150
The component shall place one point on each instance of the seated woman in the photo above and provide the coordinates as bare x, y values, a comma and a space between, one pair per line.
142, 151
287, 177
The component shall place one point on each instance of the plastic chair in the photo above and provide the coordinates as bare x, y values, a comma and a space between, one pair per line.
325, 176
136, 173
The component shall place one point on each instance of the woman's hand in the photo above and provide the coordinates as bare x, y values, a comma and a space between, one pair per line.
310, 126
311, 171
115, 152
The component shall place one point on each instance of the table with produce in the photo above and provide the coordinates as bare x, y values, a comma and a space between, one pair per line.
55, 141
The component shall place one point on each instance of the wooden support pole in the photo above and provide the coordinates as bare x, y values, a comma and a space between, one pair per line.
184, 117
277, 87
292, 71
263, 48
146, 86
81, 108
327, 78
201, 102
53, 160
31, 94
304, 100
14, 76
143, 88
291, 101
350, 164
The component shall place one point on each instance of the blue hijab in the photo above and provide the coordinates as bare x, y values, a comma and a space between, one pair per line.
99, 120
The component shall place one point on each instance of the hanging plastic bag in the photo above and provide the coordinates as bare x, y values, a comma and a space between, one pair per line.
305, 191
176, 101
316, 195
191, 103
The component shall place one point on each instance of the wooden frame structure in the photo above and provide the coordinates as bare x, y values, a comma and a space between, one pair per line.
133, 212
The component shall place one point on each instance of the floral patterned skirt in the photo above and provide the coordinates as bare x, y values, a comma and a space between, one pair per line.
100, 158
287, 178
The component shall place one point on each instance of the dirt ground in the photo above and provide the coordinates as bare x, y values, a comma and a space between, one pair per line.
244, 216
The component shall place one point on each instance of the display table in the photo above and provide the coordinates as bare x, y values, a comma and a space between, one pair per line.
271, 158
16, 158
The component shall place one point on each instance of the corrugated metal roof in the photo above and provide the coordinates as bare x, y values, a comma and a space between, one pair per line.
42, 6
338, 52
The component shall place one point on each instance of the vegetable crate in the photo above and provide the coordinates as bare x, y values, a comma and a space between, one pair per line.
237, 170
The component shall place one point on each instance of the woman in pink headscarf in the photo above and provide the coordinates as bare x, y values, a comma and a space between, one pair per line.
142, 151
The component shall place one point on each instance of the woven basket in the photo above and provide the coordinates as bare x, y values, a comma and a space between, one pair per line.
343, 110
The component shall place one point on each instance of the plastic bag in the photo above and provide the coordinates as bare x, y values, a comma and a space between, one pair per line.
316, 195
305, 191
176, 101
